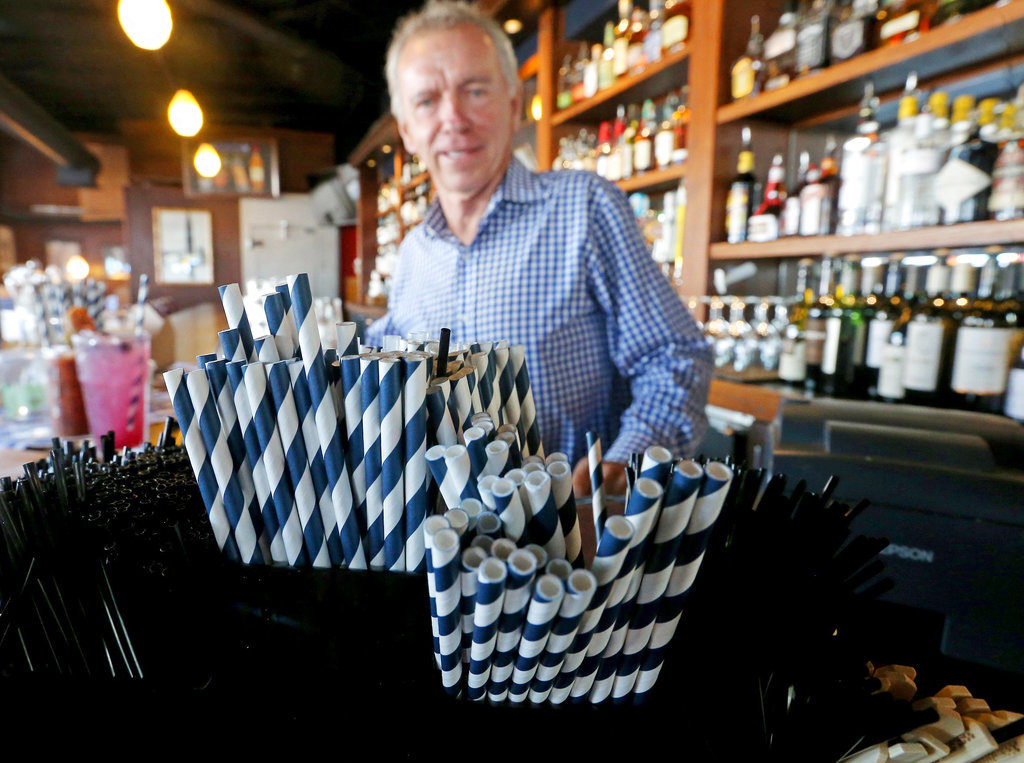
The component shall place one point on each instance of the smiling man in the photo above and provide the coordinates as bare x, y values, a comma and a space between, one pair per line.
552, 261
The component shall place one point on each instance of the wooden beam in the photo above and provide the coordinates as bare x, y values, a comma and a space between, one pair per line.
548, 35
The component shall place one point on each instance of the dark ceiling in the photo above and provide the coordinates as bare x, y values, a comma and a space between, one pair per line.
302, 64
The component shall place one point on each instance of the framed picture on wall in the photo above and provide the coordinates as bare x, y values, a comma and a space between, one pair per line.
236, 167
182, 246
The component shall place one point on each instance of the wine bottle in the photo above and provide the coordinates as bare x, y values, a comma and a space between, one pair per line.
741, 193
929, 342
816, 327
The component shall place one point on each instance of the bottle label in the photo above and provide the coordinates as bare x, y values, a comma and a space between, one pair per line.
627, 160
774, 83
830, 352
792, 361
736, 207
642, 155
958, 181
664, 144
783, 41
635, 55
763, 228
810, 51
590, 79
742, 78
924, 357
982, 360
890, 374
621, 60
878, 338
674, 31
919, 161
810, 210
848, 40
613, 170
1014, 407
814, 336
853, 189
791, 216
905, 23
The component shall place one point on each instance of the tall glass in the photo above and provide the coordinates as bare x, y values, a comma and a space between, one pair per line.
113, 370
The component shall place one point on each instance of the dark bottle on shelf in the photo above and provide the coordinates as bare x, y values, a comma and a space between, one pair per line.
815, 330
748, 71
812, 38
964, 184
793, 356
851, 34
741, 194
887, 309
890, 373
931, 331
902, 20
790, 225
845, 334
780, 49
950, 10
675, 27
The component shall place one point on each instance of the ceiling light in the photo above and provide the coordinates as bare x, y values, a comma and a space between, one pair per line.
77, 268
371, 163
206, 160
536, 108
386, 148
146, 22
513, 26
185, 116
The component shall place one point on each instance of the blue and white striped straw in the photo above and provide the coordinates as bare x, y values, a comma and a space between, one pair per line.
656, 464
469, 567
717, 478
507, 385
433, 525
231, 346
234, 311
529, 431
579, 591
608, 561
280, 326
544, 527
476, 440
594, 462
443, 552
509, 508
351, 385
484, 486
254, 454
458, 520
490, 597
246, 535
414, 442
544, 606
675, 515
515, 456
392, 463
297, 460
560, 568
497, 462
290, 324
460, 472
347, 342
522, 566
317, 471
450, 492
264, 416
539, 554
561, 490
201, 466
462, 398
369, 380
440, 428
489, 524
266, 350
326, 419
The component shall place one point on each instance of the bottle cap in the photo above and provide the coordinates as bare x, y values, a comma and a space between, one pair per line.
908, 107
963, 105
938, 102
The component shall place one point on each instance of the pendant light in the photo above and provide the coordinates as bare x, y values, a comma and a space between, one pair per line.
146, 22
184, 114
207, 161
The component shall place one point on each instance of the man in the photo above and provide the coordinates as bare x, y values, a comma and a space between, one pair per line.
553, 261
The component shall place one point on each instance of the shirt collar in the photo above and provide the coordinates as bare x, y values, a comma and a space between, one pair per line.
518, 186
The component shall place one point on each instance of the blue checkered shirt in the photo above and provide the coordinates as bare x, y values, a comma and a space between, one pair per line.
559, 265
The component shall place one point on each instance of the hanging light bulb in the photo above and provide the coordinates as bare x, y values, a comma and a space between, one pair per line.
184, 114
77, 268
206, 160
536, 108
146, 22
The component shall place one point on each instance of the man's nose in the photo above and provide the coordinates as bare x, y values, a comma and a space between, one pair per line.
453, 111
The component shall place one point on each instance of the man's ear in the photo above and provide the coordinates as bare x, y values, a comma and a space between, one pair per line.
406, 140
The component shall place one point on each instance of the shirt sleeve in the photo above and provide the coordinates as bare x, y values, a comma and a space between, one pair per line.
653, 339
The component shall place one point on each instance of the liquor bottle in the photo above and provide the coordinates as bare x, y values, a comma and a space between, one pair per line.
665, 137
851, 34
812, 198
625, 133
930, 333
257, 171
643, 147
637, 33
793, 357
951, 10
680, 118
816, 327
938, 104
862, 178
812, 38
964, 184
748, 71
606, 66
621, 43
564, 98
615, 157
887, 309
675, 27
652, 43
764, 223
579, 69
604, 148
897, 140
780, 49
592, 71
1014, 405
791, 209
1006, 201
919, 164
902, 20
741, 193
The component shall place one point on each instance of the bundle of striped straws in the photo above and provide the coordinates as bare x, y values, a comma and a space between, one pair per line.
509, 627
311, 457
45, 298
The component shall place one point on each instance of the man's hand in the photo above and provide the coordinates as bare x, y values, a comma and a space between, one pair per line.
614, 477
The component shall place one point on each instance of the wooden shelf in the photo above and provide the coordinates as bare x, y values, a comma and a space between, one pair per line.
654, 180
411, 185
386, 212
991, 33
655, 80
942, 236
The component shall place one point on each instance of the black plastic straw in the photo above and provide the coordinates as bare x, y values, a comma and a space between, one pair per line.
442, 352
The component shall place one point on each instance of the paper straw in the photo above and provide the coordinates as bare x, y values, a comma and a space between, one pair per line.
679, 502
264, 416
414, 443
538, 553
641, 512
560, 568
507, 385
289, 323
456, 459
351, 373
458, 520
479, 360
594, 462
231, 346
656, 464
490, 595
297, 460
608, 562
234, 311
497, 455
483, 541
334, 381
231, 425
476, 442
522, 567
489, 524
561, 490
555, 458
431, 526
509, 508
462, 397
317, 470
543, 526
254, 453
280, 326
392, 463
579, 592
514, 455
448, 487
201, 466
503, 548
266, 350
348, 343
443, 567
717, 478
370, 389
529, 431
440, 429
533, 467
230, 489
544, 606
485, 486
469, 566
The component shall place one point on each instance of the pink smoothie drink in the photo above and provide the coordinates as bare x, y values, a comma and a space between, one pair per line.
113, 370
